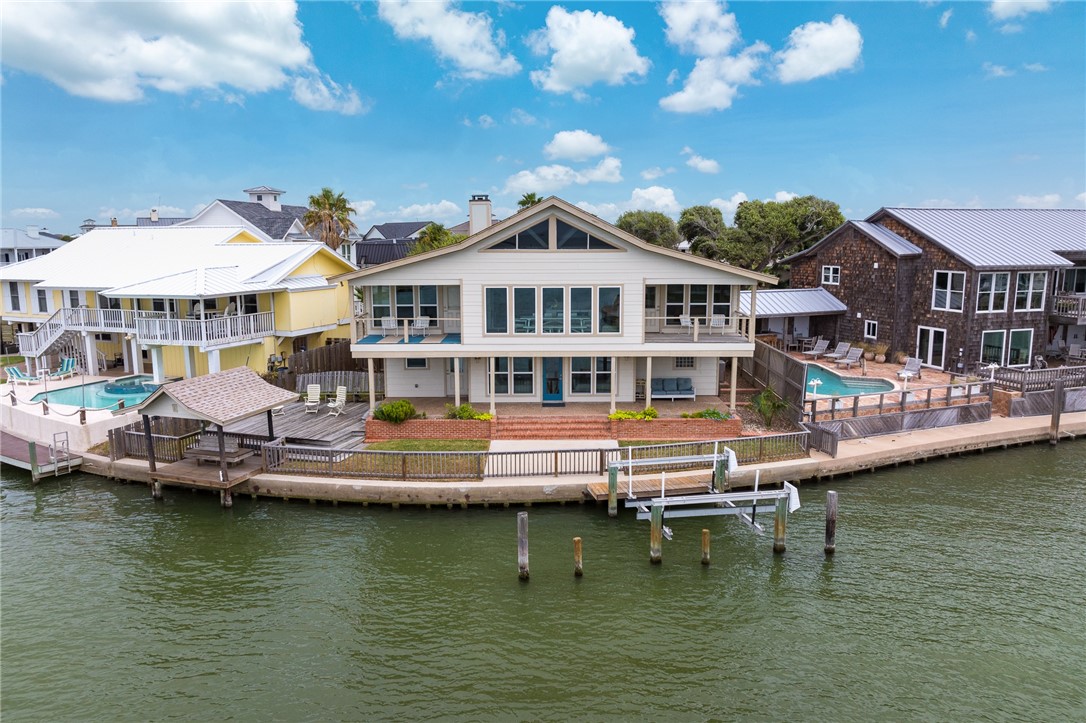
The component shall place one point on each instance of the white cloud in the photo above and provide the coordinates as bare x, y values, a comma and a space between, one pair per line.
1011, 28
117, 51
700, 163
467, 40
653, 198
1035, 67
1048, 200
650, 174
944, 19
486, 121
576, 145
1081, 198
129, 215
997, 71
34, 213
521, 117
729, 205
816, 49
714, 82
548, 179
441, 212
782, 196
700, 28
1007, 9
587, 48
673, 76
362, 209
970, 36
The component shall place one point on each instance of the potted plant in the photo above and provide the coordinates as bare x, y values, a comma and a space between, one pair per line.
869, 352
880, 349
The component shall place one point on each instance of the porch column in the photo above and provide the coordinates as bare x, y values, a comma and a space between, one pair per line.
648, 382
190, 361
158, 364
456, 380
735, 380
126, 354
753, 306
214, 363
371, 378
614, 382
137, 357
91, 348
490, 373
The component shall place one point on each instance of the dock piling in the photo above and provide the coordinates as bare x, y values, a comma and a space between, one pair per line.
612, 491
831, 522
522, 544
656, 534
704, 547
578, 562
780, 524
226, 498
1057, 408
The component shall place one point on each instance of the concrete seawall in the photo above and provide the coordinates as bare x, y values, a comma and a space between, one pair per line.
853, 456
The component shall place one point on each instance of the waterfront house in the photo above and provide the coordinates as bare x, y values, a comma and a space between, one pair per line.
553, 306
183, 300
18, 244
263, 215
958, 288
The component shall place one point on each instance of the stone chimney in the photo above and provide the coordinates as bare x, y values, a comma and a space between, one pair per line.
32, 231
113, 221
154, 215
479, 213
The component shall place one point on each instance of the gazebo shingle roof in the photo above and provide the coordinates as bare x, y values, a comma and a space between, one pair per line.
220, 398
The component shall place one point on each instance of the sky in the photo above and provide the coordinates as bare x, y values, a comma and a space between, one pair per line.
408, 108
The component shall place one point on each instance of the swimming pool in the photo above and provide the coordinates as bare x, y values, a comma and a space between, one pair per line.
103, 395
834, 385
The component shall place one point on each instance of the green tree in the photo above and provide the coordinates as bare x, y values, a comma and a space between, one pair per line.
528, 200
330, 214
433, 237
651, 226
704, 228
767, 231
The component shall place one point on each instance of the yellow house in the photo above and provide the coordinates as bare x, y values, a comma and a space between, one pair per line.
175, 301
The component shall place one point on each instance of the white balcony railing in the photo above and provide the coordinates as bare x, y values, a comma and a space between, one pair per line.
219, 331
1070, 305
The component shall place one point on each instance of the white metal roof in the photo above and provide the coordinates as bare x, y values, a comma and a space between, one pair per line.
792, 302
999, 237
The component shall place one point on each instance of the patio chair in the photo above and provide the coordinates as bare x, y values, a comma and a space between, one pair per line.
818, 350
686, 324
1074, 350
312, 398
852, 357
420, 326
718, 322
840, 351
16, 376
389, 326
231, 309
66, 369
338, 405
911, 368
808, 343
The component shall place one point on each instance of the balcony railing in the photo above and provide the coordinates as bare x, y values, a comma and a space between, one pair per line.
1072, 306
696, 328
218, 331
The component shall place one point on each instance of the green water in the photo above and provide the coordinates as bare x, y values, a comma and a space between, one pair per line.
957, 593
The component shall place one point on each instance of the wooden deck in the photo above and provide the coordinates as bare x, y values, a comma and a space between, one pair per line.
648, 486
317, 430
187, 473
15, 451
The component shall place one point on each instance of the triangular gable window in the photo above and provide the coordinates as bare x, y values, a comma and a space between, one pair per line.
570, 238
530, 239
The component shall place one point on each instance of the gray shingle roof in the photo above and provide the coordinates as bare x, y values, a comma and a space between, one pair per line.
372, 253
274, 223
399, 229
220, 398
999, 237
792, 302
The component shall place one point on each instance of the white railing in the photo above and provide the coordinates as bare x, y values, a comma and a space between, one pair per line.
204, 332
411, 327
37, 342
1072, 305
701, 328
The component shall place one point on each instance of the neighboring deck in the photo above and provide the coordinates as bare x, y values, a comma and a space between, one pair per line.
15, 450
322, 429
187, 473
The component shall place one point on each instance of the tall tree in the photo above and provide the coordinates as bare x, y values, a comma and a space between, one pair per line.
701, 223
651, 226
330, 214
528, 200
434, 236
767, 231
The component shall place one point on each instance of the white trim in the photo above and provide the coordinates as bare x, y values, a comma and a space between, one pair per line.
990, 294
950, 285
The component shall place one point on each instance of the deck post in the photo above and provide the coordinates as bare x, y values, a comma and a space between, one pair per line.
32, 449
271, 426
720, 479
578, 562
1057, 409
831, 522
522, 544
648, 382
656, 534
150, 443
734, 368
222, 453
226, 498
704, 546
780, 525
371, 378
456, 380
612, 491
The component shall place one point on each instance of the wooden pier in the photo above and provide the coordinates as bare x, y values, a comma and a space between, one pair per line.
648, 486
39, 459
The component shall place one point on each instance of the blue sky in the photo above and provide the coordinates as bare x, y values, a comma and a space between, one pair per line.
408, 108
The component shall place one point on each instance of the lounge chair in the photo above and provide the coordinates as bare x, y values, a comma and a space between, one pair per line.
338, 405
818, 350
852, 357
718, 322
67, 369
686, 324
420, 326
312, 398
389, 326
16, 376
1074, 350
839, 351
911, 368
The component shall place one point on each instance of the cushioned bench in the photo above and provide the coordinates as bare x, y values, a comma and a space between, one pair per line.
672, 388
207, 449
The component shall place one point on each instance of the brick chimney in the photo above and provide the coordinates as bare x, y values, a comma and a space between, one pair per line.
113, 221
479, 213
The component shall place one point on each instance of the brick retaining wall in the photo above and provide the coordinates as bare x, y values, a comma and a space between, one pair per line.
555, 428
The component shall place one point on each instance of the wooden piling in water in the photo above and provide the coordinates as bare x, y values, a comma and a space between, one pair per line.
1057, 409
780, 525
522, 544
656, 534
612, 491
720, 480
831, 522
704, 547
578, 562
226, 498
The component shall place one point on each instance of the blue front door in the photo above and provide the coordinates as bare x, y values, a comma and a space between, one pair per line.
552, 379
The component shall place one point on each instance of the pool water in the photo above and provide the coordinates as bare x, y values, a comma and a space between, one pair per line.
103, 395
834, 385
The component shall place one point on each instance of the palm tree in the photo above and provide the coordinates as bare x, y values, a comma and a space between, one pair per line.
329, 213
528, 200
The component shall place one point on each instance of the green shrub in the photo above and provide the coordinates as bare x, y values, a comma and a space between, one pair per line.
707, 414
647, 413
767, 404
396, 412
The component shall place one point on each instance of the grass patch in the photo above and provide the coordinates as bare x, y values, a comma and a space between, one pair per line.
101, 449
12, 360
431, 445
646, 443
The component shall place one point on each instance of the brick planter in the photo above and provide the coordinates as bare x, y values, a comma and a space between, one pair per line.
676, 429
378, 431
555, 428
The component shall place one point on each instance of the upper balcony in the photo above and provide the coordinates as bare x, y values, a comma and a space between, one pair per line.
209, 332
1069, 308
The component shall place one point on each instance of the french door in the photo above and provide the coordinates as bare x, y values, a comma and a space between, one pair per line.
931, 346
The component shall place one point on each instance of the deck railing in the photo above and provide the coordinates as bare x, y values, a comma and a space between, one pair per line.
1038, 380
845, 406
700, 328
204, 332
1070, 305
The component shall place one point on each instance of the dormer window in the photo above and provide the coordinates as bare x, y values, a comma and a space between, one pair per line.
259, 197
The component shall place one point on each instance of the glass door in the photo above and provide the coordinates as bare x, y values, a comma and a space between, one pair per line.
931, 346
552, 379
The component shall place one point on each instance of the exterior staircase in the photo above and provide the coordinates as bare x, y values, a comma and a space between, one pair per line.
552, 428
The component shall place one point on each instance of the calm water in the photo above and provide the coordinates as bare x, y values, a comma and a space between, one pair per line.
957, 593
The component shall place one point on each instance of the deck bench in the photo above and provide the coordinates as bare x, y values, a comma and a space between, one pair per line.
672, 388
207, 450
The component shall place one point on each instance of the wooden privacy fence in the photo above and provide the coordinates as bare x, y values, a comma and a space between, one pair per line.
289, 459
1039, 380
826, 435
328, 358
357, 383
773, 368
170, 436
1036, 404
868, 404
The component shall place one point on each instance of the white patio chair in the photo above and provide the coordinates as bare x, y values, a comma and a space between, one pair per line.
852, 357
420, 326
231, 309
686, 324
818, 350
312, 398
840, 351
718, 322
338, 405
911, 368
389, 326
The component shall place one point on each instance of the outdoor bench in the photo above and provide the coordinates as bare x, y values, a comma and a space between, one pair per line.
207, 449
672, 388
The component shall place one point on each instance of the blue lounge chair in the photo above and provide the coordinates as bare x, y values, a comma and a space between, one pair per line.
67, 369
16, 376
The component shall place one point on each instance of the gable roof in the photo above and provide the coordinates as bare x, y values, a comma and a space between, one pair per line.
792, 302
18, 238
998, 237
162, 221
219, 398
884, 237
274, 223
543, 208
263, 189
372, 253
398, 229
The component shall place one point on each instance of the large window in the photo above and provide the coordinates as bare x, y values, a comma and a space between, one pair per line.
405, 302
590, 375
524, 311
992, 291
580, 310
610, 309
554, 310
497, 311
699, 302
107, 302
674, 303
428, 303
1074, 281
382, 304
13, 296
948, 293
73, 299
1020, 347
43, 301
991, 347
722, 301
1030, 292
831, 275
249, 304
519, 376
530, 239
